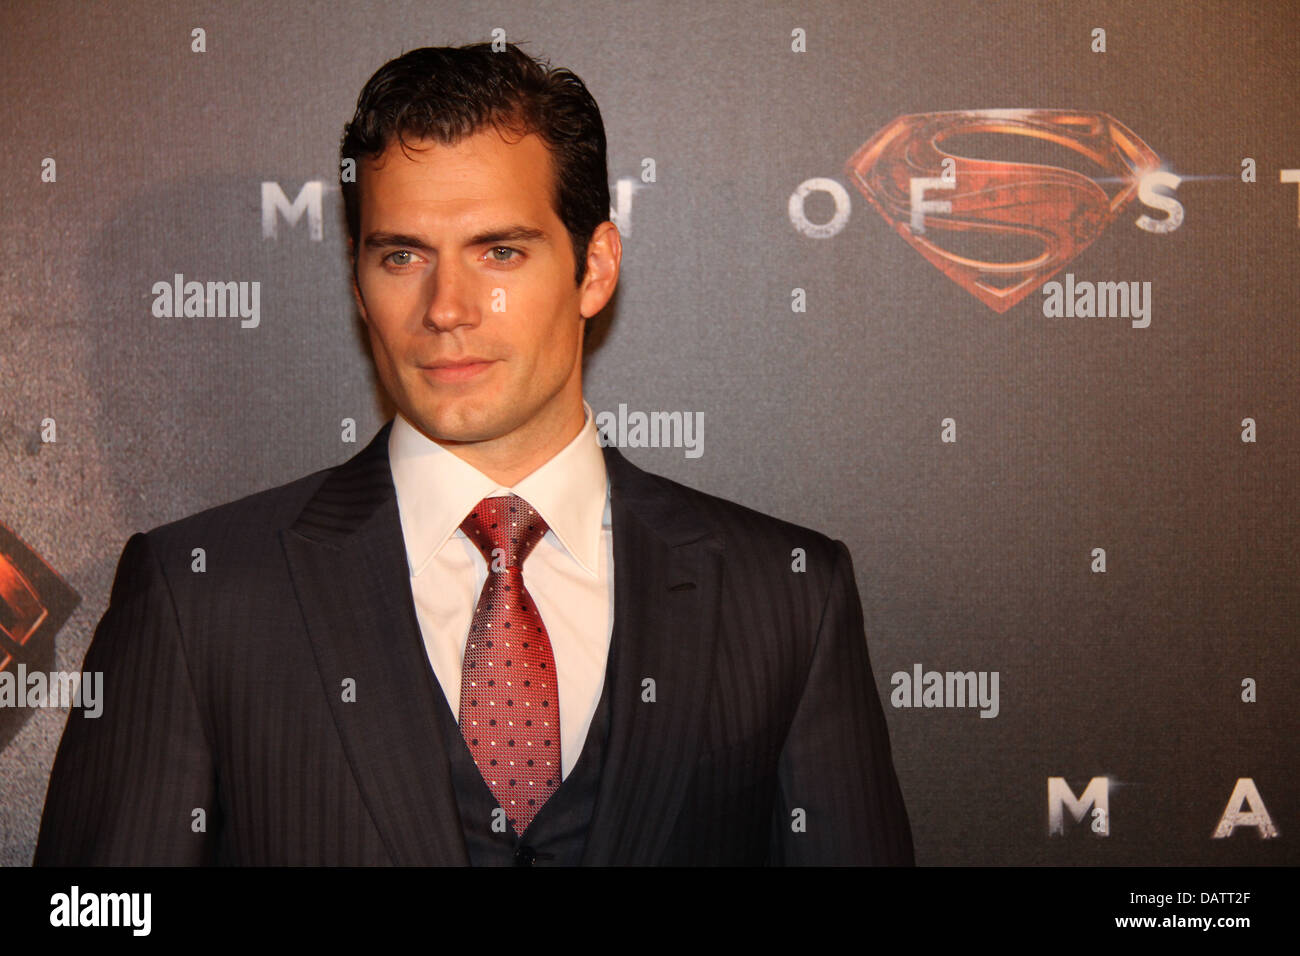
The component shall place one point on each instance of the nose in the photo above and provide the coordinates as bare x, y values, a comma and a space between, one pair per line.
452, 303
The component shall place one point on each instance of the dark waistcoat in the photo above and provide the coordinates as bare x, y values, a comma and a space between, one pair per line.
558, 833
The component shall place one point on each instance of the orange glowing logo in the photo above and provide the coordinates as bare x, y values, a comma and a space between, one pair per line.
21, 610
34, 603
944, 204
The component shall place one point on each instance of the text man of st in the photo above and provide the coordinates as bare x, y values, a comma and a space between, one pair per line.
484, 639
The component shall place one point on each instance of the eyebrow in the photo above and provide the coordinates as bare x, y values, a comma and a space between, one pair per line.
509, 234
380, 240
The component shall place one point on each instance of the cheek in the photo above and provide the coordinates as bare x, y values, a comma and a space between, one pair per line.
385, 346
541, 333
378, 340
389, 302
555, 349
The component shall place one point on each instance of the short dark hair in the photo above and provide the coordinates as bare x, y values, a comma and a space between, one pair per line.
448, 93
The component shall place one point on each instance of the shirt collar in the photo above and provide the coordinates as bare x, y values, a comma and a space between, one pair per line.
436, 490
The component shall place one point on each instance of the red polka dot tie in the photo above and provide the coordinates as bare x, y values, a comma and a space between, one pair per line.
509, 699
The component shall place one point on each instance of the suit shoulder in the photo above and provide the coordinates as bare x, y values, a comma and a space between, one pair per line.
736, 524
239, 538
263, 512
246, 532
784, 573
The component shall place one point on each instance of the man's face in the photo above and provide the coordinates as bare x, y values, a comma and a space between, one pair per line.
464, 276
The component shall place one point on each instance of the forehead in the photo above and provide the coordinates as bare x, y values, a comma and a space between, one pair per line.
482, 174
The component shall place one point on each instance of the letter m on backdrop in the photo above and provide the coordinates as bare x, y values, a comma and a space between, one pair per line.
1095, 797
275, 203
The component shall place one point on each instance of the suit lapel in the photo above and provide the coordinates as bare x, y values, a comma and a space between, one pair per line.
667, 583
348, 564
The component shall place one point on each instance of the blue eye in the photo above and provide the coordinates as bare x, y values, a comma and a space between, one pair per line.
399, 252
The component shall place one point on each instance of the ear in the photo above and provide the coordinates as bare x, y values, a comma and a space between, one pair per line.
604, 259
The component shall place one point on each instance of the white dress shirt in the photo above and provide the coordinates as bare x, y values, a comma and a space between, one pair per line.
570, 573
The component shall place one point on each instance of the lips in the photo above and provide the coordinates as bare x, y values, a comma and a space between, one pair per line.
456, 370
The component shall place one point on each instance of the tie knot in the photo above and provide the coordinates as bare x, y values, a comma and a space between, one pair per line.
508, 523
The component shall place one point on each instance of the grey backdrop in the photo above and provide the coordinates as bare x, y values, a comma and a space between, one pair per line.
1072, 434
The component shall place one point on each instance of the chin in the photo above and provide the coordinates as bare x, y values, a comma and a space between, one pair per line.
451, 424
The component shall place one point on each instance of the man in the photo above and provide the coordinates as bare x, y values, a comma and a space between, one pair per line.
483, 639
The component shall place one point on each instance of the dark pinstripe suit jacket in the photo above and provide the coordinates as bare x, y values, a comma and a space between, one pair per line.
226, 736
